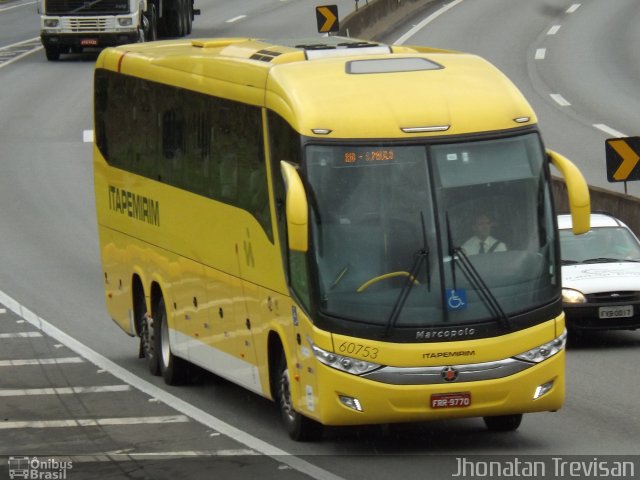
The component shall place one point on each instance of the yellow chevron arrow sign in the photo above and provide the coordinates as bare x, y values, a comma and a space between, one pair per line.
623, 156
327, 17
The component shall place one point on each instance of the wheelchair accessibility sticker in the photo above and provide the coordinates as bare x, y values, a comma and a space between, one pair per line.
456, 298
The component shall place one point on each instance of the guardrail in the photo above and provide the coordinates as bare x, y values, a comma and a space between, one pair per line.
378, 18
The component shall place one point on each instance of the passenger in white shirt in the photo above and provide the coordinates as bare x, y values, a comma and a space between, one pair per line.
482, 241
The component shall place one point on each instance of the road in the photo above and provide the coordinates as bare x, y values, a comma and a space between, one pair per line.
576, 63
49, 259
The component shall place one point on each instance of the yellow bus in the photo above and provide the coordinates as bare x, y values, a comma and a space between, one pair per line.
292, 215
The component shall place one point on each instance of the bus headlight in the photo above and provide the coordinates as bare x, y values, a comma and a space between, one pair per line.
572, 296
544, 351
51, 22
355, 366
125, 22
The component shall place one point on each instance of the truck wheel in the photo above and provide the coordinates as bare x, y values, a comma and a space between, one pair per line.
189, 8
172, 23
152, 29
182, 18
52, 52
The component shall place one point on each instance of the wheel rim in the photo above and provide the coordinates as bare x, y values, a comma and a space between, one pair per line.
164, 342
285, 397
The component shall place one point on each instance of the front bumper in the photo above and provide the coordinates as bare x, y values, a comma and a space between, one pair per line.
386, 403
88, 39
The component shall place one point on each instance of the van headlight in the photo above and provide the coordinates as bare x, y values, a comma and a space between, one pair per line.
544, 351
570, 295
125, 21
355, 366
51, 22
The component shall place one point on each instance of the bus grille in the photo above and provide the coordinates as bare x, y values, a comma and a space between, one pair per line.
86, 7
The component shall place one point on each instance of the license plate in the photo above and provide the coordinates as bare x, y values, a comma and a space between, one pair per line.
89, 42
616, 312
450, 400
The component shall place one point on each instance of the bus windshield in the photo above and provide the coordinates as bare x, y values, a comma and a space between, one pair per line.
391, 220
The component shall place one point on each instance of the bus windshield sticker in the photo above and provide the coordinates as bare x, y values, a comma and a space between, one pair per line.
456, 298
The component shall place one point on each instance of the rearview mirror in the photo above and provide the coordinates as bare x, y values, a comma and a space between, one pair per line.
297, 209
577, 191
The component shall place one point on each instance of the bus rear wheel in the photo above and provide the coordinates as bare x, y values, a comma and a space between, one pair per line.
148, 344
299, 427
503, 423
172, 368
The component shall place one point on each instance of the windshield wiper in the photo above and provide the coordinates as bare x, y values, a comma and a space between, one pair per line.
473, 276
569, 262
601, 260
422, 255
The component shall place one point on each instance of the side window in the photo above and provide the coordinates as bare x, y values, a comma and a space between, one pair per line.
203, 144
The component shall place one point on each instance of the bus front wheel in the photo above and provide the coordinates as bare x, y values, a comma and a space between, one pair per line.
503, 423
299, 427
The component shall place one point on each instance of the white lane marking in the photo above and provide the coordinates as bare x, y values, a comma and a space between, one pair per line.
609, 131
553, 30
21, 335
30, 50
221, 453
560, 100
87, 136
541, 53
214, 423
7, 47
573, 7
40, 361
426, 21
235, 19
4, 9
93, 422
129, 455
3, 311
63, 390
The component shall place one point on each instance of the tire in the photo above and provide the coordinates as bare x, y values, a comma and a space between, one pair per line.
299, 427
148, 342
503, 423
189, 9
152, 18
182, 18
52, 52
172, 368
172, 22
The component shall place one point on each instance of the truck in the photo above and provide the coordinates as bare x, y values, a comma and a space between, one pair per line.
70, 26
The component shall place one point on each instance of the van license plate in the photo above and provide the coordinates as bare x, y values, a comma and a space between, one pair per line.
616, 312
450, 400
89, 42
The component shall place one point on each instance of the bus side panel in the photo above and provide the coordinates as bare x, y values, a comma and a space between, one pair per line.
117, 280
